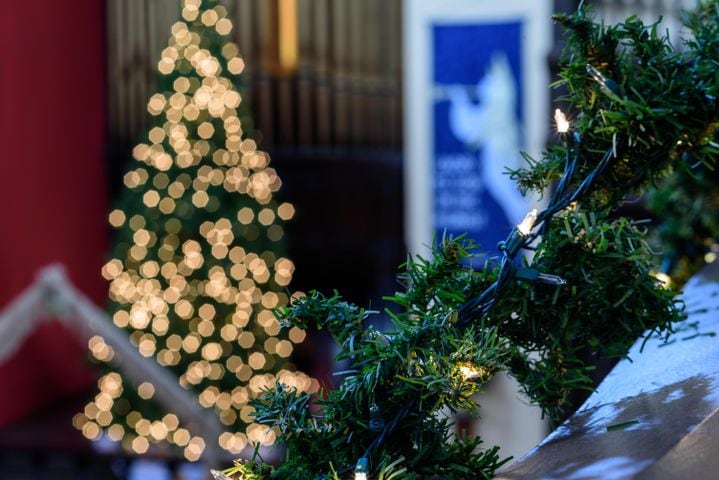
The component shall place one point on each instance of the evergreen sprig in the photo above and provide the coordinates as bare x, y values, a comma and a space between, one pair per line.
686, 202
639, 107
610, 299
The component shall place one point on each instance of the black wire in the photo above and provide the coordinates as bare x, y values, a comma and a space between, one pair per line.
479, 306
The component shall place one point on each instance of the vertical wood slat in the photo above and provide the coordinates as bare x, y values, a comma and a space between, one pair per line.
322, 28
245, 37
143, 57
372, 52
344, 91
242, 33
384, 66
123, 91
304, 104
245, 33
113, 29
128, 73
395, 8
266, 42
394, 63
135, 69
153, 46
285, 69
355, 77
339, 64
140, 65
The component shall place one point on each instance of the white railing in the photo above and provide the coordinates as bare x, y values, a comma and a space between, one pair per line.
52, 296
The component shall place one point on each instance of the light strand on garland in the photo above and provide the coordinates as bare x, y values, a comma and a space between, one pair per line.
521, 236
532, 226
608, 86
480, 305
539, 334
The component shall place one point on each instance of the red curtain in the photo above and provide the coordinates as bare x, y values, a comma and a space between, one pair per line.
52, 197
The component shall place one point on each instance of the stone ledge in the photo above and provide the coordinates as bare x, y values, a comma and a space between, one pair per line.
655, 416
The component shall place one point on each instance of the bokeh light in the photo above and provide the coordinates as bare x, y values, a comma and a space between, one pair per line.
196, 274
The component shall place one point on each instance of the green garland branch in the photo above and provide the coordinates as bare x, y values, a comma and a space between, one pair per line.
522, 237
686, 202
589, 292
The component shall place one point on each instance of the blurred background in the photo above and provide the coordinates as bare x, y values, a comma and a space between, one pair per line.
369, 111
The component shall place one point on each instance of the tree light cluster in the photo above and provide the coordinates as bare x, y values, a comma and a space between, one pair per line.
195, 275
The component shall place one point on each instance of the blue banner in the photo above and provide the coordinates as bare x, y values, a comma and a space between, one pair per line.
478, 124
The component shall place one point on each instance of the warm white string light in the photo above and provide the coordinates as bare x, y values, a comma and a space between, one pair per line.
561, 121
470, 372
525, 227
664, 279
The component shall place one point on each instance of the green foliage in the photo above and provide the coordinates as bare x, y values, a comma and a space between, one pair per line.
245, 470
639, 108
412, 374
686, 204
610, 299
417, 372
664, 106
686, 201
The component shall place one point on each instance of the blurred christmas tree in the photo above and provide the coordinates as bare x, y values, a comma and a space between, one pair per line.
196, 273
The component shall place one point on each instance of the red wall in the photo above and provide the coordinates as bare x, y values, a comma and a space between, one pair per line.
52, 185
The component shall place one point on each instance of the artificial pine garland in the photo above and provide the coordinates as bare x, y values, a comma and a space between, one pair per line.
687, 201
686, 205
639, 107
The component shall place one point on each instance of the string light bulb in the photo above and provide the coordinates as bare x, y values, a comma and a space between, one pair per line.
376, 422
362, 469
561, 121
473, 372
526, 225
533, 275
664, 279
519, 234
608, 86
